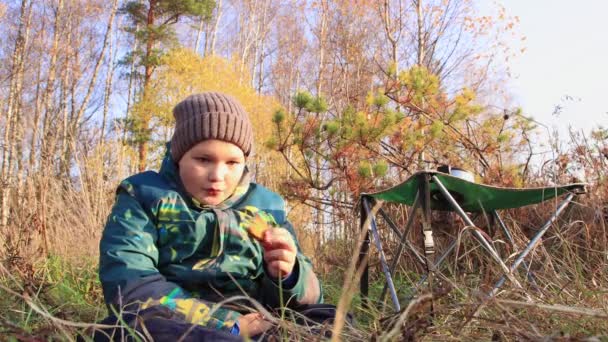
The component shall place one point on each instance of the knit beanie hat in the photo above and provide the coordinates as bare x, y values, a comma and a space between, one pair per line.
210, 115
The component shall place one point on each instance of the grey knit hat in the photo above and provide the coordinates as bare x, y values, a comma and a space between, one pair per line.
210, 115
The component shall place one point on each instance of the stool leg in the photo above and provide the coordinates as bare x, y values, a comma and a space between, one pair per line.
534, 241
402, 239
363, 254
440, 260
507, 233
385, 268
482, 240
429, 244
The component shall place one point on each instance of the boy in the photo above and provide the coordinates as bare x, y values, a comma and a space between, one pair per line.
198, 231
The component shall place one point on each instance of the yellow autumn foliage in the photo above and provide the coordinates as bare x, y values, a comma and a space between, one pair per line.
184, 73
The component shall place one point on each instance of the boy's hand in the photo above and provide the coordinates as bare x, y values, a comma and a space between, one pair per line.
279, 252
253, 324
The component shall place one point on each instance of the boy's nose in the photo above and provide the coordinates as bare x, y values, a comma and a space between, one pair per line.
217, 173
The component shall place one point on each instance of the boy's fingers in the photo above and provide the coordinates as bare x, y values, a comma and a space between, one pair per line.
279, 255
279, 252
279, 268
253, 324
278, 238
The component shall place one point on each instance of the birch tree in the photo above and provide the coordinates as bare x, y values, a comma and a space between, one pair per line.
75, 121
13, 111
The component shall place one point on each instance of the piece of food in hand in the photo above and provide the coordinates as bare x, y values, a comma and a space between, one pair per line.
257, 227
256, 222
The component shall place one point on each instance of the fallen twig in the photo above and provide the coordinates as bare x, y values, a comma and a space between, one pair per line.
556, 308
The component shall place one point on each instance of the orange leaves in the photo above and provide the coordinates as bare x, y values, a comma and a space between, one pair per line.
345, 151
296, 188
310, 126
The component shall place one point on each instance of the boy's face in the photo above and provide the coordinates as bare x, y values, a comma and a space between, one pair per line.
211, 170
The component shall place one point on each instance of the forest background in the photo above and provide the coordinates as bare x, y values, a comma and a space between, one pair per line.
345, 97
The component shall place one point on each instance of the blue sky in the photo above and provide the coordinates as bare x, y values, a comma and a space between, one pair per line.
566, 56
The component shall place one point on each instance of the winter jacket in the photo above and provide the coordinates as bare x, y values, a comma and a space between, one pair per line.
160, 248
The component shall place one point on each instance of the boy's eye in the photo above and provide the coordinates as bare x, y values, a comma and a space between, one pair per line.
233, 162
202, 159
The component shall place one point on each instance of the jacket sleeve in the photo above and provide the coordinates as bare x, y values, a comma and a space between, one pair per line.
128, 269
307, 288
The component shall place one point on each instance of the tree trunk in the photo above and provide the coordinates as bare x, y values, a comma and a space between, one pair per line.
130, 92
199, 32
13, 110
106, 105
47, 101
143, 145
216, 23
67, 70
75, 120
392, 33
130, 99
261, 47
248, 34
108, 88
32, 167
421, 42
420, 61
322, 40
321, 74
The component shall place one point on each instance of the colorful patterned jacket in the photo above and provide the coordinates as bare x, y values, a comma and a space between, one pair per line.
160, 248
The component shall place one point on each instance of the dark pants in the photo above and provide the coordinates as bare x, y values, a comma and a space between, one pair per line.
161, 324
